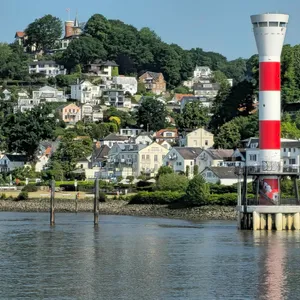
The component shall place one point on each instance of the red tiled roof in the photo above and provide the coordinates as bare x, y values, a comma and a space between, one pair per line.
48, 151
20, 34
179, 97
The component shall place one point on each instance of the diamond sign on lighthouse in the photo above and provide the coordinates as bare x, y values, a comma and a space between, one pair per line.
269, 31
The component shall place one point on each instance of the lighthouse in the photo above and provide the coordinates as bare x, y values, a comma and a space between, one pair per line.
269, 31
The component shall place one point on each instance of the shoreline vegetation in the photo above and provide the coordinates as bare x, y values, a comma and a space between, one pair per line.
121, 207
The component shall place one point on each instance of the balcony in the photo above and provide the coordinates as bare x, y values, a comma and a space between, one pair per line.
271, 168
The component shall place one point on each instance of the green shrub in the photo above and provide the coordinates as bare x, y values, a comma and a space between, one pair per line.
158, 197
197, 192
222, 189
102, 197
22, 196
30, 188
3, 196
172, 182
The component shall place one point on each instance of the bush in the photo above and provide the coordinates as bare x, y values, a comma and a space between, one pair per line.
197, 192
102, 197
22, 196
3, 196
157, 197
172, 182
30, 188
222, 189
229, 199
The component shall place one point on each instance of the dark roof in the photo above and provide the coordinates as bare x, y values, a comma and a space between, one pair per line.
200, 86
16, 157
290, 144
188, 152
222, 172
101, 153
44, 62
115, 137
219, 153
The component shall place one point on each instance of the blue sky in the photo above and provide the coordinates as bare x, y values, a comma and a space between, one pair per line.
214, 25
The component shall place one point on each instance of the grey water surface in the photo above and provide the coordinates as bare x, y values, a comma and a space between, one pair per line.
143, 258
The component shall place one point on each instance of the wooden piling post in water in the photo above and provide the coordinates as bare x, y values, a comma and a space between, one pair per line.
76, 203
52, 203
96, 203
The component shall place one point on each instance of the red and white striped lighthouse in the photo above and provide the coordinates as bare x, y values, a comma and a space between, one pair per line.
269, 31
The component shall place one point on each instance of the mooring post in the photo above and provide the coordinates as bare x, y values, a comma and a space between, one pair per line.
76, 203
52, 203
96, 203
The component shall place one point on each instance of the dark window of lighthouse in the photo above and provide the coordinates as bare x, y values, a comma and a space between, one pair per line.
282, 24
263, 24
255, 25
273, 24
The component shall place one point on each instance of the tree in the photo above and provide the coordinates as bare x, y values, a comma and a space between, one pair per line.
44, 32
172, 182
71, 150
187, 171
193, 116
24, 131
228, 136
152, 114
83, 51
182, 90
163, 170
197, 192
98, 27
289, 130
196, 170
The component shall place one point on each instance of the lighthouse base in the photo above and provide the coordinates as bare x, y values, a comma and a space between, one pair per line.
269, 217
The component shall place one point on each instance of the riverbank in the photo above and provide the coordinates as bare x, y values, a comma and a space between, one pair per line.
120, 207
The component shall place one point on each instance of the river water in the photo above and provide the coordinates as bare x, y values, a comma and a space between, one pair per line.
143, 258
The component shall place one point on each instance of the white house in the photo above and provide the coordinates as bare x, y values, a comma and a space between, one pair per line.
49, 68
132, 132
220, 175
26, 104
143, 138
290, 152
10, 162
129, 84
220, 158
7, 95
182, 159
206, 102
86, 92
49, 94
113, 138
202, 72
41, 163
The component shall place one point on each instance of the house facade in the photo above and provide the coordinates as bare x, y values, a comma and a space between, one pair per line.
150, 159
198, 138
49, 94
206, 102
202, 72
70, 113
182, 159
220, 175
49, 68
132, 132
100, 68
154, 82
220, 158
129, 84
208, 90
10, 162
86, 92
169, 134
113, 138
116, 98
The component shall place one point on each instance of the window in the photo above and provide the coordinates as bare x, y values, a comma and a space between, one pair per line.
292, 161
263, 24
143, 157
290, 150
284, 150
252, 157
148, 156
206, 142
169, 134
155, 158
282, 24
209, 174
255, 25
273, 24
178, 163
191, 163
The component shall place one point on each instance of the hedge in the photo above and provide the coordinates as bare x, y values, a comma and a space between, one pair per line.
161, 197
156, 197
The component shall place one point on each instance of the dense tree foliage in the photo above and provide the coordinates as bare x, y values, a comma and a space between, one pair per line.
44, 32
172, 182
151, 114
197, 192
194, 115
24, 131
